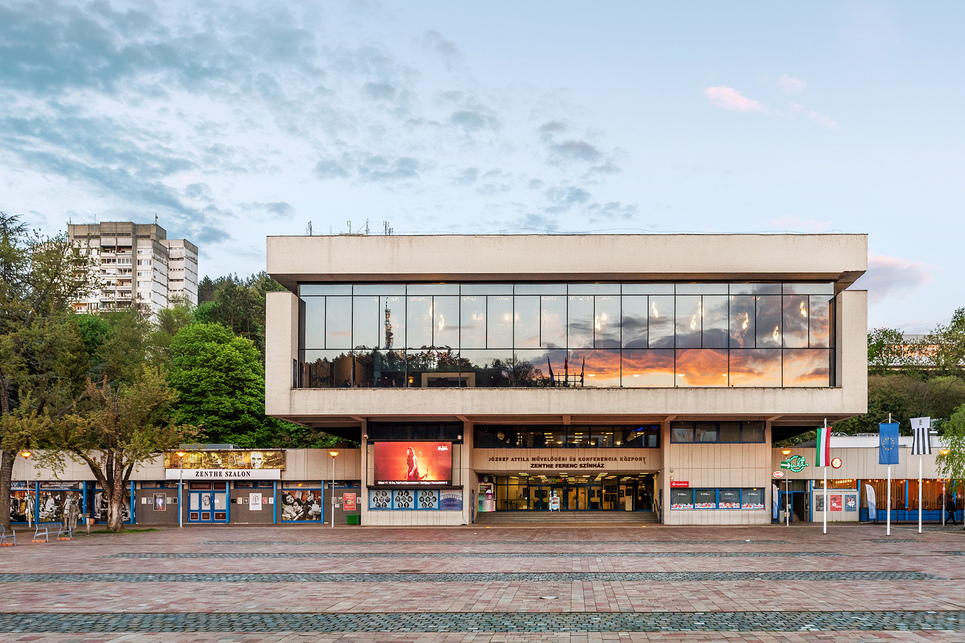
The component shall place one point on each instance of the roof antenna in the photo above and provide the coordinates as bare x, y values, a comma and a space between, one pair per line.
309, 230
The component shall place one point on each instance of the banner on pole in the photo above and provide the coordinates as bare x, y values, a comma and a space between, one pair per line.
888, 443
920, 428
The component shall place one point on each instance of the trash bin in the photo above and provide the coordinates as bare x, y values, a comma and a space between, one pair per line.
354, 519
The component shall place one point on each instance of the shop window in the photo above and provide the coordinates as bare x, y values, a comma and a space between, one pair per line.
681, 499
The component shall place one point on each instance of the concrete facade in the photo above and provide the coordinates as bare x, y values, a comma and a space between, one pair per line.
136, 264
835, 259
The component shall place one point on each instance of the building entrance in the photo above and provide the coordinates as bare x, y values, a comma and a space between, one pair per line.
207, 506
577, 493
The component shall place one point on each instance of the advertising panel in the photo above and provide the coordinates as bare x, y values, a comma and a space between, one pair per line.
413, 464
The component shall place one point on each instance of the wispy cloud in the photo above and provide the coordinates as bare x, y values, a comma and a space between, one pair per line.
893, 277
790, 85
730, 98
813, 116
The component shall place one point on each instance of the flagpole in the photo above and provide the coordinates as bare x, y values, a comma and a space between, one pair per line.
828, 438
919, 493
888, 530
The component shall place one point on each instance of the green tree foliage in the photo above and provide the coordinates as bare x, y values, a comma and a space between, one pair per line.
887, 351
946, 346
237, 304
951, 461
221, 383
117, 426
41, 354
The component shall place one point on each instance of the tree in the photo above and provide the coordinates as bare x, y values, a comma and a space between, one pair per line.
947, 346
887, 351
951, 461
116, 427
221, 386
40, 348
221, 383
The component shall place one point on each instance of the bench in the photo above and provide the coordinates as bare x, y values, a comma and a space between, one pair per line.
7, 539
44, 529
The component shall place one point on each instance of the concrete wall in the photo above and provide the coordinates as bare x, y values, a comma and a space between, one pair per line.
832, 257
301, 465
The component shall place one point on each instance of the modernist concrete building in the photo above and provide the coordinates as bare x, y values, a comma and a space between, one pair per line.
623, 373
137, 265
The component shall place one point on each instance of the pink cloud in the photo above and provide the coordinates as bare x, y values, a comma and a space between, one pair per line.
893, 277
790, 85
730, 98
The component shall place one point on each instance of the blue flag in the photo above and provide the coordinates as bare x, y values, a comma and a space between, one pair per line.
888, 443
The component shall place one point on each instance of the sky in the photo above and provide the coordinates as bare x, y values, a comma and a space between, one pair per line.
234, 121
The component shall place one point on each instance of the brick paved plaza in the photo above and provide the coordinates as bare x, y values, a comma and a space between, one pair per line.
532, 583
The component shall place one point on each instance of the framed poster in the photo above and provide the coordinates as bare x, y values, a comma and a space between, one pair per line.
450, 500
851, 502
403, 499
380, 499
427, 499
705, 499
836, 501
159, 502
681, 499
254, 501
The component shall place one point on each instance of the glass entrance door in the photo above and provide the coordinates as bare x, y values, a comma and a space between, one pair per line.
207, 506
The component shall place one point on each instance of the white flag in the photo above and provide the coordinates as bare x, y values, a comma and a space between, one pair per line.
920, 428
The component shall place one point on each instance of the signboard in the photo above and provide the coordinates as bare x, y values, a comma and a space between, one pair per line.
778, 474
223, 474
674, 484
836, 463
348, 501
226, 460
795, 463
554, 502
413, 464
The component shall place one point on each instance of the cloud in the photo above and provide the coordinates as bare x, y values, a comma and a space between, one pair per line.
893, 277
379, 91
369, 168
575, 150
811, 115
730, 98
472, 120
790, 85
446, 49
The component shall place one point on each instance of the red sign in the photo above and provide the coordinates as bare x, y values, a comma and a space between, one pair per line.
679, 483
348, 501
778, 474
836, 463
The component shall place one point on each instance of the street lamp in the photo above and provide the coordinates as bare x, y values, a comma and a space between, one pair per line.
941, 509
333, 454
25, 454
180, 455
787, 500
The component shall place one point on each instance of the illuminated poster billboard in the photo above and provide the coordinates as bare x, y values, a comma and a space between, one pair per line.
413, 464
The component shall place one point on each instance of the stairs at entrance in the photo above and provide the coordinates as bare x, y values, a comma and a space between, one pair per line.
566, 517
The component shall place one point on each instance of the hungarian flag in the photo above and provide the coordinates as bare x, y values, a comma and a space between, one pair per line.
822, 457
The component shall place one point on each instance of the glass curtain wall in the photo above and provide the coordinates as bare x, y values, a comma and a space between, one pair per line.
565, 335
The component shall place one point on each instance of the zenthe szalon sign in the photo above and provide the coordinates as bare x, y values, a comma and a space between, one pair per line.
223, 474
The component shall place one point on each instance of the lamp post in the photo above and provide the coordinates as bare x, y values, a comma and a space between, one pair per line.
25, 454
333, 454
787, 499
180, 455
941, 509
